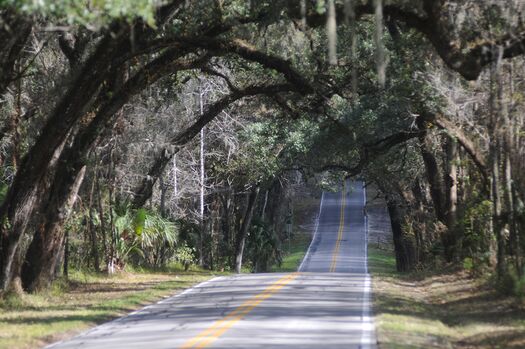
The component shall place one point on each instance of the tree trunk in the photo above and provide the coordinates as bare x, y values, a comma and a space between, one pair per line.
39, 266
403, 245
495, 151
201, 186
103, 229
497, 221
66, 256
434, 179
451, 238
243, 232
91, 228
163, 190
30, 180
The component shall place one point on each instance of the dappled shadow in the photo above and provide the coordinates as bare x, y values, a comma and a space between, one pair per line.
456, 300
88, 318
510, 339
458, 306
330, 305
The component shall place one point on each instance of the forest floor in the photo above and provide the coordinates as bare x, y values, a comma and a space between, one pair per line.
33, 321
446, 309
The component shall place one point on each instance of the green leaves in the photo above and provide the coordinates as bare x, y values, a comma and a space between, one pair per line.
89, 13
139, 222
154, 239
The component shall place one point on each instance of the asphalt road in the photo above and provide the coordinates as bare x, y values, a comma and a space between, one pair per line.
324, 305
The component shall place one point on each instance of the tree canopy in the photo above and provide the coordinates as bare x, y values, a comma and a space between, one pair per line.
146, 125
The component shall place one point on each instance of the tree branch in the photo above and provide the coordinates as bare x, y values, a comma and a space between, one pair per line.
144, 191
466, 143
466, 58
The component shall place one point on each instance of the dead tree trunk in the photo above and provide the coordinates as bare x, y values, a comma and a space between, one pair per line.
144, 190
451, 186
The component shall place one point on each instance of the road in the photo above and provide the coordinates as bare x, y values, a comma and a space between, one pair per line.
324, 305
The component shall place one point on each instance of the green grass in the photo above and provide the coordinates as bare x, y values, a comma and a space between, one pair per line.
381, 262
441, 309
30, 321
293, 257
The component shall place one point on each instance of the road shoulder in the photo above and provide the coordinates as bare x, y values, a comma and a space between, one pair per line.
451, 309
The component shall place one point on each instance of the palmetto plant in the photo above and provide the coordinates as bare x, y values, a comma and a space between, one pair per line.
146, 236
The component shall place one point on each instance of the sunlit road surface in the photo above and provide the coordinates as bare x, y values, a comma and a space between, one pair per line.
324, 305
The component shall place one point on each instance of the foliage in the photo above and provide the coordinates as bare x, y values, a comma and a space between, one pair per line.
147, 236
92, 13
121, 118
185, 255
263, 247
476, 229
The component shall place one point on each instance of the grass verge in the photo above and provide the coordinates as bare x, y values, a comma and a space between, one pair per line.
294, 255
446, 310
32, 321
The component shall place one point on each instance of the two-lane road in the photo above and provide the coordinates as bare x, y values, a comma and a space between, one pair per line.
324, 305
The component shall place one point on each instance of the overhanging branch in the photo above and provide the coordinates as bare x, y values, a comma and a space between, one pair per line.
144, 191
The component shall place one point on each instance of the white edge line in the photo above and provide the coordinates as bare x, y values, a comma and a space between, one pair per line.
367, 319
307, 255
174, 296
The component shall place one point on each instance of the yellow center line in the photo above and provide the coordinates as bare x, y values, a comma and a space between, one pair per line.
212, 333
340, 232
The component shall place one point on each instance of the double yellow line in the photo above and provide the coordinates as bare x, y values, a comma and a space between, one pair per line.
208, 336
341, 230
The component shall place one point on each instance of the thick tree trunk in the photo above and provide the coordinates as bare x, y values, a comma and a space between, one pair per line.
403, 245
443, 189
243, 232
227, 224
39, 266
86, 82
434, 178
30, 180
420, 231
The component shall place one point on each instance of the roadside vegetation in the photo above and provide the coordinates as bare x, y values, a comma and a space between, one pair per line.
293, 255
449, 309
138, 134
84, 300
442, 306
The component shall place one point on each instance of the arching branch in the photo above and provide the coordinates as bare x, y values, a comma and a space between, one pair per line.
144, 191
466, 58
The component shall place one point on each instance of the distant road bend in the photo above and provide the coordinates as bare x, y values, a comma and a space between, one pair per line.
326, 304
